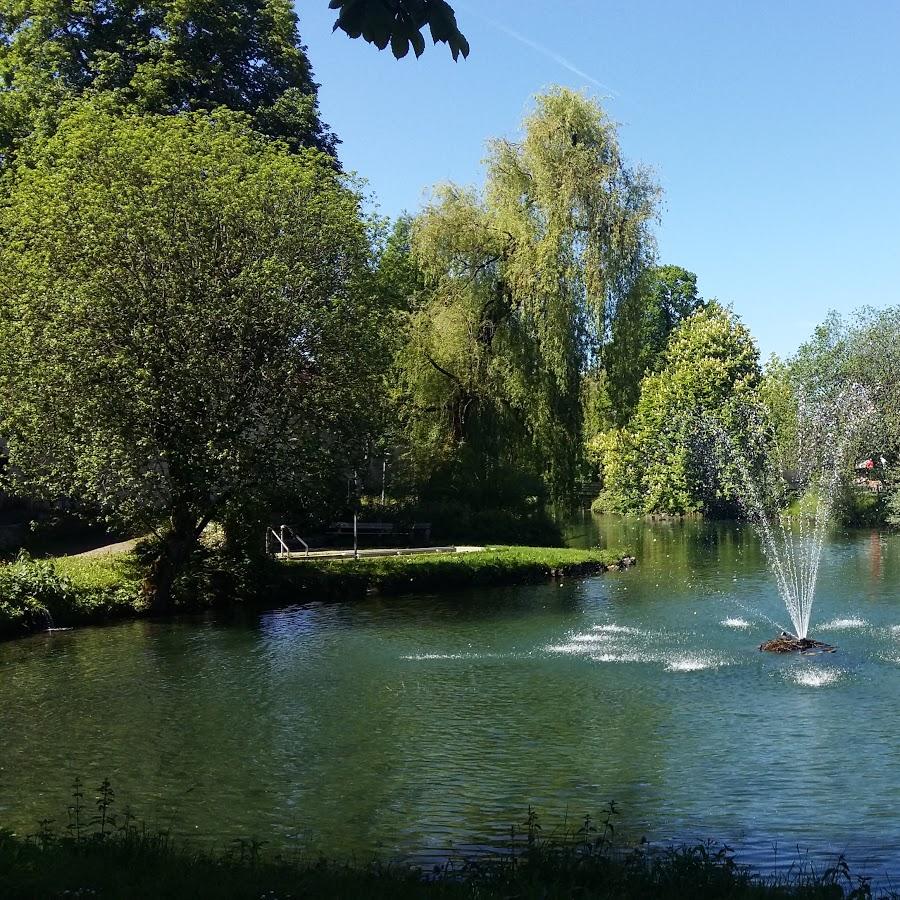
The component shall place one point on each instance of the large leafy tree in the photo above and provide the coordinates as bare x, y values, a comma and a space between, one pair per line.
656, 464
522, 280
159, 56
662, 298
185, 322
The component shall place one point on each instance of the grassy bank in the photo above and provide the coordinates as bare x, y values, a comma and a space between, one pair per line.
446, 571
129, 861
67, 591
76, 590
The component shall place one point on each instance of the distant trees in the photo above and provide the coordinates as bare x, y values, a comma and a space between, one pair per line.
654, 463
187, 322
518, 284
158, 57
862, 348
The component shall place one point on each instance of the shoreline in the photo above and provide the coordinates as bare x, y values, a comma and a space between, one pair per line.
77, 591
105, 858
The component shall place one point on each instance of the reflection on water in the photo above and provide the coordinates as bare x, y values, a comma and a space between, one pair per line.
415, 726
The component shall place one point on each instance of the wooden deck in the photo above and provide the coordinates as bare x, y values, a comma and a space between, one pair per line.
374, 552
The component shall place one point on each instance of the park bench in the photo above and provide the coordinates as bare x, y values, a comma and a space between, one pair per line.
420, 531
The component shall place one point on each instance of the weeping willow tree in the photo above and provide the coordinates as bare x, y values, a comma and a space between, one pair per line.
520, 281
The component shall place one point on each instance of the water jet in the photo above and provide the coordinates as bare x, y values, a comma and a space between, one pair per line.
803, 469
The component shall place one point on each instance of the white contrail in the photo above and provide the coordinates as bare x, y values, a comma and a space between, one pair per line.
558, 58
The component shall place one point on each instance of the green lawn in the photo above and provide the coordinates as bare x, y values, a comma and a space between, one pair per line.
442, 571
87, 573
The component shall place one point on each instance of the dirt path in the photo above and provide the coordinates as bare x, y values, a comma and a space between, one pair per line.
120, 547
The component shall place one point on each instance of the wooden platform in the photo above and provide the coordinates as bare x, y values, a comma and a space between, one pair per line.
375, 552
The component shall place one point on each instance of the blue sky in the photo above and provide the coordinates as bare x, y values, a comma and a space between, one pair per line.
774, 129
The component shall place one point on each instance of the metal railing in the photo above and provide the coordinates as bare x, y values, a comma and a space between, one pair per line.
282, 536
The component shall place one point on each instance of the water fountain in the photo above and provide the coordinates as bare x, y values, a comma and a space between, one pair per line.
800, 465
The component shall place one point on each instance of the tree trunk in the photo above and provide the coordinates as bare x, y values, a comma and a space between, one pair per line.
175, 551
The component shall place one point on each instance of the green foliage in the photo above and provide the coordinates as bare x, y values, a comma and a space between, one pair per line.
710, 367
35, 593
454, 521
157, 57
107, 853
27, 589
614, 454
520, 283
662, 298
187, 322
400, 24
445, 571
864, 348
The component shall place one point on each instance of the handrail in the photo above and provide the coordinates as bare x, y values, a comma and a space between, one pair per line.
285, 552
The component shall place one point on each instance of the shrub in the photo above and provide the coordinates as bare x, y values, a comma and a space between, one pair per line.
29, 590
36, 593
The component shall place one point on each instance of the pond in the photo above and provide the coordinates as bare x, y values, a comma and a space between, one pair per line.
424, 726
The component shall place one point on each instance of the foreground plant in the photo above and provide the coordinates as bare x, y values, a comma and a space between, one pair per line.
104, 854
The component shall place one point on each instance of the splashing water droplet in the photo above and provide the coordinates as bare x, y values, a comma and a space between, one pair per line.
766, 472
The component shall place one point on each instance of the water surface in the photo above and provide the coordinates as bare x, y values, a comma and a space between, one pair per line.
425, 725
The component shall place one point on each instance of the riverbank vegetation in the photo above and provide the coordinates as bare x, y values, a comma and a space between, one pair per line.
201, 321
37, 594
226, 337
658, 457
101, 854
442, 571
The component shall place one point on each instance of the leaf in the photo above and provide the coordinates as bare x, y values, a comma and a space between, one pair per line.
457, 46
418, 43
399, 45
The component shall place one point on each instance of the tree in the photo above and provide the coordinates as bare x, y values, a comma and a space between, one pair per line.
186, 322
521, 282
864, 349
158, 57
400, 23
710, 367
662, 298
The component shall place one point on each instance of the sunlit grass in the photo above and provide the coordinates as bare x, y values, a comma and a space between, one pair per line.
440, 571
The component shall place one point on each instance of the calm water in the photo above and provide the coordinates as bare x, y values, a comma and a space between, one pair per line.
413, 727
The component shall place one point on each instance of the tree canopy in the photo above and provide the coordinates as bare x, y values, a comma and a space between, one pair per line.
660, 300
520, 282
158, 57
710, 366
186, 321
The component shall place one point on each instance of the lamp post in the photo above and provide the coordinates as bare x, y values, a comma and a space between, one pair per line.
353, 500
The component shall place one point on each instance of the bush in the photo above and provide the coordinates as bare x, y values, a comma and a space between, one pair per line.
29, 590
37, 593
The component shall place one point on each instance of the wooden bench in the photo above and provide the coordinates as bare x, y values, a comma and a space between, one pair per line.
420, 530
